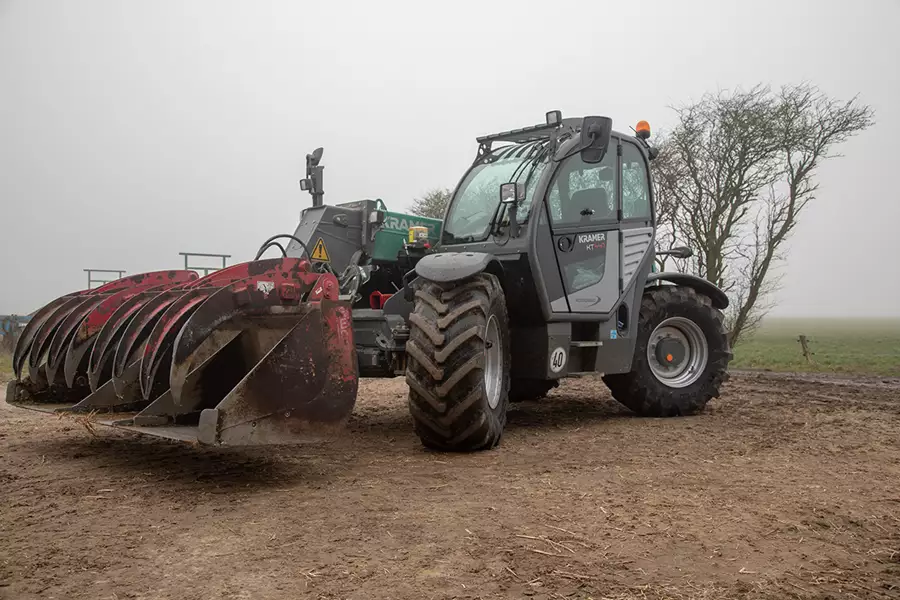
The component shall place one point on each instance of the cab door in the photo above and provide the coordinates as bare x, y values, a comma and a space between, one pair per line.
583, 206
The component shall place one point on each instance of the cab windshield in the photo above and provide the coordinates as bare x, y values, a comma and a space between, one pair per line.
477, 200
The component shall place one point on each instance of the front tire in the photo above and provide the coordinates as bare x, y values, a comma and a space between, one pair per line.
681, 355
458, 361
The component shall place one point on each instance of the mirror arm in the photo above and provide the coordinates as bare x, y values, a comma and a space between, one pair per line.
513, 219
677, 252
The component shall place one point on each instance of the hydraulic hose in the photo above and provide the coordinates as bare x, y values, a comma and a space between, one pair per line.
271, 242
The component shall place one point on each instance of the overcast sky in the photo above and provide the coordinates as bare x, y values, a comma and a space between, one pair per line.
130, 131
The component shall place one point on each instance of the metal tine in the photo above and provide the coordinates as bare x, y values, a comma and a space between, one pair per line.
83, 340
104, 347
23, 344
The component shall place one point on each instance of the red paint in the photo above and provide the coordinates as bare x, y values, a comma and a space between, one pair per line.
377, 299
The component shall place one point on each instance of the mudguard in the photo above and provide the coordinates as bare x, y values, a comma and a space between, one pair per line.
702, 286
446, 267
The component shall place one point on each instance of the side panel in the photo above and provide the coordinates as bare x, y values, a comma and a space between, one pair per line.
395, 231
617, 352
589, 261
635, 244
533, 348
340, 230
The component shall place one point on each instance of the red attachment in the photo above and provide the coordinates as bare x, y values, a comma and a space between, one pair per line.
259, 352
53, 326
256, 284
158, 280
377, 299
288, 292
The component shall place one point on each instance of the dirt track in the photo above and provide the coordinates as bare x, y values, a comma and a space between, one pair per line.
784, 488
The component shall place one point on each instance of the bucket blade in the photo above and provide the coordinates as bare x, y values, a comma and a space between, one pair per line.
103, 399
302, 390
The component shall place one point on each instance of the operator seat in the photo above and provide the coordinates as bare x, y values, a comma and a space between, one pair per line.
595, 199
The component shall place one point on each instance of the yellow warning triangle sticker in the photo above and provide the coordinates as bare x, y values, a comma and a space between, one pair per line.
319, 252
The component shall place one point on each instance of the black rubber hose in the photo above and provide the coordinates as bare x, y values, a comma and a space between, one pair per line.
265, 246
269, 245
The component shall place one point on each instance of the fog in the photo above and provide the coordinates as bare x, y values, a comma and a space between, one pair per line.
132, 131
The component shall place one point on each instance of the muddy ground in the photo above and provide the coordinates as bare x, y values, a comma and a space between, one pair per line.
784, 488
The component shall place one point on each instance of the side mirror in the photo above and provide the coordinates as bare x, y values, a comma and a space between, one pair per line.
512, 193
595, 133
304, 185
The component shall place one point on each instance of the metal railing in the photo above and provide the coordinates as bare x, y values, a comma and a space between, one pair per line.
92, 280
206, 269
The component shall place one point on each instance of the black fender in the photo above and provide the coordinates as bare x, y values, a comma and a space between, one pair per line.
446, 267
702, 286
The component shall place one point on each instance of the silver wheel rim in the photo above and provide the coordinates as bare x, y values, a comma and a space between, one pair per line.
493, 362
696, 349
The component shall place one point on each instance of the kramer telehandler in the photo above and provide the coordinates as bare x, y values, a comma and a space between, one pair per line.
542, 268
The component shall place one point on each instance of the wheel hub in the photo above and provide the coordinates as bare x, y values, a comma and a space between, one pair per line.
493, 362
677, 352
671, 352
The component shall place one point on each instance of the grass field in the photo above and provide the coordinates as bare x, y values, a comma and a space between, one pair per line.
860, 346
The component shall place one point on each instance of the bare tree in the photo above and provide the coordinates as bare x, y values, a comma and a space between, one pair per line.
734, 175
432, 204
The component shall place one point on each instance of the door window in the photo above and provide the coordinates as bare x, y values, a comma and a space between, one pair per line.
635, 184
584, 193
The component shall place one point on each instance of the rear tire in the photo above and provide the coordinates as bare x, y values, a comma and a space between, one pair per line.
458, 360
647, 390
524, 390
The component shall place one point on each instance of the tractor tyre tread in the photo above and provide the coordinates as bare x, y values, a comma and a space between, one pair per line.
445, 364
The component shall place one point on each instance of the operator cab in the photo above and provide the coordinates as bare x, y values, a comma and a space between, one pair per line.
566, 204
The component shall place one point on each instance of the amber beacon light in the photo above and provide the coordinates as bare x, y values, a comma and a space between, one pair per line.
642, 130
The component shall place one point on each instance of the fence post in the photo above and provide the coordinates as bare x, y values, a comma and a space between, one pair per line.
804, 346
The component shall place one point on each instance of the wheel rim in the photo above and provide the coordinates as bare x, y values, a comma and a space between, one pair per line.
493, 362
677, 352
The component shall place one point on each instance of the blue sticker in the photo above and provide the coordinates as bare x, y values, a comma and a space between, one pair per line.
613, 334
